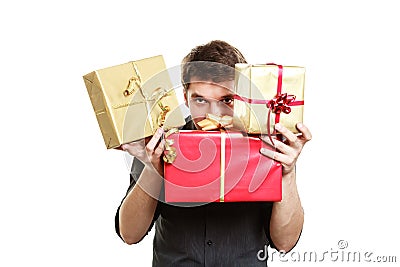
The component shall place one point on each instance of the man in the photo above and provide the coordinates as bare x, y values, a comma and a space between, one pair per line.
214, 234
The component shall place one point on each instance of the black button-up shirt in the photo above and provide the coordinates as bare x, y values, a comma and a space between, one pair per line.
213, 234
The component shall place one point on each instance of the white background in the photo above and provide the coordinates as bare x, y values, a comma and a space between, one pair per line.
60, 187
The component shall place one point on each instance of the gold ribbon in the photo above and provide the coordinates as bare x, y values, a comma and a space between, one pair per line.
212, 122
170, 151
135, 81
134, 84
158, 95
222, 168
163, 114
170, 156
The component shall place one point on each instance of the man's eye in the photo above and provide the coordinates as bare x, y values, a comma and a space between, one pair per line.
200, 100
227, 101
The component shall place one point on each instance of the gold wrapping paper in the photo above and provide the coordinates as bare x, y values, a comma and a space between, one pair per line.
260, 82
131, 100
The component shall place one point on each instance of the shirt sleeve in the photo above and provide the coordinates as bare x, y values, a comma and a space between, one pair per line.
268, 211
136, 170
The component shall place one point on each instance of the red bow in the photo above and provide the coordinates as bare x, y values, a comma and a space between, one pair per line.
280, 103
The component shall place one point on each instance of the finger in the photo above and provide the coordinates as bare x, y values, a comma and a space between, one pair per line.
279, 145
135, 145
266, 139
154, 140
291, 137
277, 156
269, 153
136, 151
305, 132
160, 148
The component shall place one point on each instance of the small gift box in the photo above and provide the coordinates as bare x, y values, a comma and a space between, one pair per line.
132, 100
268, 94
214, 166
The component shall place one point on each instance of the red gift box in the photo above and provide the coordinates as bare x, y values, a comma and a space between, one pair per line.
213, 166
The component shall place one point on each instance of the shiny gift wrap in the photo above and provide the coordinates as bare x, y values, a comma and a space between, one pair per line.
267, 94
214, 166
132, 100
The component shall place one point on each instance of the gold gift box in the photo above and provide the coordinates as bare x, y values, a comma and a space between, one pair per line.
257, 85
132, 100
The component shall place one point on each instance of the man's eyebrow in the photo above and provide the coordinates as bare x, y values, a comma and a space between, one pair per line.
228, 96
194, 95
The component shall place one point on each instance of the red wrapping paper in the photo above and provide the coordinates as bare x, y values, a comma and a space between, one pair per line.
203, 171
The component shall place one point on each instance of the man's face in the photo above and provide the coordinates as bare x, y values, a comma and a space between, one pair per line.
209, 97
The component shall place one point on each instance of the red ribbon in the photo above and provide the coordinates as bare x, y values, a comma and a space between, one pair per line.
280, 103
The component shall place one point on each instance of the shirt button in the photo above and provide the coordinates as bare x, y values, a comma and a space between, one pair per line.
209, 242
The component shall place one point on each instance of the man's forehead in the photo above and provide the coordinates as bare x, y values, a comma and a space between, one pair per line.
208, 90
199, 84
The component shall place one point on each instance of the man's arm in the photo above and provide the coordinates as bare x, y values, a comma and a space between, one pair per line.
287, 215
137, 210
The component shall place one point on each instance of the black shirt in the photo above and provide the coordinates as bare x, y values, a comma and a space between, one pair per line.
213, 234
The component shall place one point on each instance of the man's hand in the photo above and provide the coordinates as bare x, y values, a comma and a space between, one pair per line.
148, 152
289, 150
287, 215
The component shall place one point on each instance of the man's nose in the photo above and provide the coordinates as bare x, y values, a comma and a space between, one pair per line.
216, 108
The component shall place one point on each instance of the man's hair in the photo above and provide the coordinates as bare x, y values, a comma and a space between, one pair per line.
214, 61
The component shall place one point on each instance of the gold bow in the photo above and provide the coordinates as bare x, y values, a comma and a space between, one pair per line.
212, 122
163, 114
170, 151
135, 83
